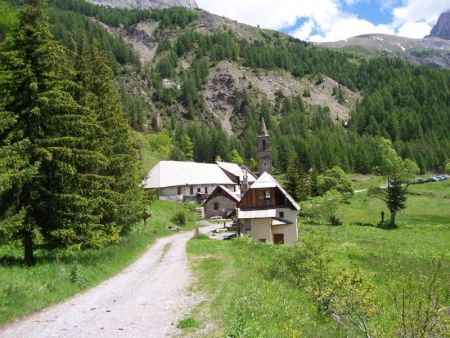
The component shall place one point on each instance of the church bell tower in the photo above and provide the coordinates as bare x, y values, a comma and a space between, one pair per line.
264, 152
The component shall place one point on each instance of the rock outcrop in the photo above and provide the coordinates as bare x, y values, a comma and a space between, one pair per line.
442, 28
146, 3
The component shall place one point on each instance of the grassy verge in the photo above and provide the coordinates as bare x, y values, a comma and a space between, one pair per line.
244, 302
57, 276
247, 301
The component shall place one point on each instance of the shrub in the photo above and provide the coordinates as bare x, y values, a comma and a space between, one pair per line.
335, 179
179, 218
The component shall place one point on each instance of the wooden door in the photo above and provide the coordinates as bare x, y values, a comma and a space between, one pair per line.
278, 238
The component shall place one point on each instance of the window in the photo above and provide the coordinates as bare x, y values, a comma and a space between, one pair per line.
262, 240
191, 190
281, 214
216, 206
179, 191
267, 195
248, 225
261, 195
199, 190
206, 190
264, 144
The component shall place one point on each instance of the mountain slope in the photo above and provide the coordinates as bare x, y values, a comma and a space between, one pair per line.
442, 27
208, 80
146, 3
432, 51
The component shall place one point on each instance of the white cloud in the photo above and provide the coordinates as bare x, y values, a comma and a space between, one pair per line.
415, 30
325, 19
272, 13
341, 28
420, 11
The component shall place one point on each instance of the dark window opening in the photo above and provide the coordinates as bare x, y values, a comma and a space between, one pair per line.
264, 144
216, 206
206, 190
199, 190
179, 191
281, 214
248, 225
191, 190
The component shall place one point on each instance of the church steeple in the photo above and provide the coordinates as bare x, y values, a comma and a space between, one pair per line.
263, 131
264, 151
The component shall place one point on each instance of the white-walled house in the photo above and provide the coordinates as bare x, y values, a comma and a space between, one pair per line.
267, 213
179, 181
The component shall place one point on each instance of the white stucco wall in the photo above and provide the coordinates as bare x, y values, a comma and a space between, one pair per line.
261, 229
172, 192
289, 231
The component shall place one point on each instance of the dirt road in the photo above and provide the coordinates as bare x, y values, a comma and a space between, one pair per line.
145, 300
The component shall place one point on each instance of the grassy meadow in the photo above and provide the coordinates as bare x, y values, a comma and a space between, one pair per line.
245, 300
58, 275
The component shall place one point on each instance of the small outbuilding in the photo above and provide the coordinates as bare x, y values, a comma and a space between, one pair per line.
221, 203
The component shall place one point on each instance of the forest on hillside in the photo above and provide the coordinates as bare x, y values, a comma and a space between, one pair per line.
405, 103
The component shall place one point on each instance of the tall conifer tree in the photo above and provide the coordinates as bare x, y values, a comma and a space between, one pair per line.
98, 91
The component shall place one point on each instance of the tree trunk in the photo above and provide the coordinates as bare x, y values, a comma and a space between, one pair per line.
28, 248
393, 214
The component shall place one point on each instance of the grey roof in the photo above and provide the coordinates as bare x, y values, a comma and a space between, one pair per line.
232, 194
267, 181
174, 174
235, 170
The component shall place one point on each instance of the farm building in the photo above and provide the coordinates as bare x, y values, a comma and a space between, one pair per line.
221, 203
180, 181
268, 213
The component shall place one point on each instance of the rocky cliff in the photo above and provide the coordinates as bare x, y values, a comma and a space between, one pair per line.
146, 3
442, 28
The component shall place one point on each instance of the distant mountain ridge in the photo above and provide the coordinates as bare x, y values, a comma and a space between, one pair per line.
434, 51
442, 27
146, 3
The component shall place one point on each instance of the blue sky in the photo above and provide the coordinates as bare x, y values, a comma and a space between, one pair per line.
332, 20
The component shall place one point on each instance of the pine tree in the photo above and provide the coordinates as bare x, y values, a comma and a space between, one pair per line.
49, 151
123, 197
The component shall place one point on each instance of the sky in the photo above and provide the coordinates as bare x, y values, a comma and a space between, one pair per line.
333, 20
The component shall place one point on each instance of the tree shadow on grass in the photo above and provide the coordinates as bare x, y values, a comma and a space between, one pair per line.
384, 226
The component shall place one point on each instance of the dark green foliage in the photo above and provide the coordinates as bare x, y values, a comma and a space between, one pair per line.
68, 158
48, 141
297, 181
169, 18
179, 218
70, 27
97, 91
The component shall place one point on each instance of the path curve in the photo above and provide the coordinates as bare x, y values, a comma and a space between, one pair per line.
147, 299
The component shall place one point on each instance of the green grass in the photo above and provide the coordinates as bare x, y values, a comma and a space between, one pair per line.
245, 301
24, 290
149, 158
187, 323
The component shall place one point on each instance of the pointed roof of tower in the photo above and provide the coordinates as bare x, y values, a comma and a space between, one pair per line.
263, 131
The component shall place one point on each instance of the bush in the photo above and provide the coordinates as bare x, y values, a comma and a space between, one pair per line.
326, 207
335, 179
179, 218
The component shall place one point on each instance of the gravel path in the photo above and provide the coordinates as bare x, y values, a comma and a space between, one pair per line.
147, 299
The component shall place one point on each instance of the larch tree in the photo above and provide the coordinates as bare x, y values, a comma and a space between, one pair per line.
48, 143
123, 199
398, 173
